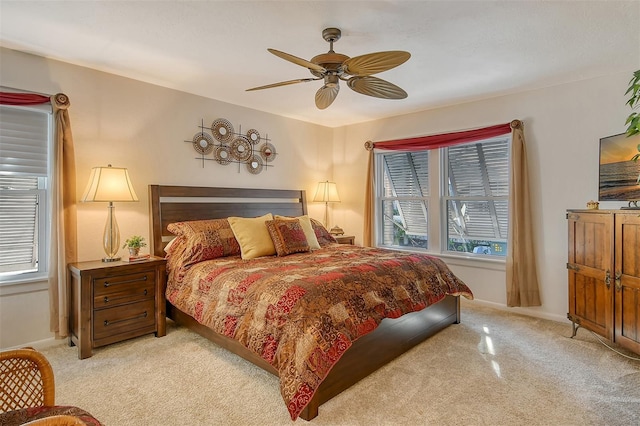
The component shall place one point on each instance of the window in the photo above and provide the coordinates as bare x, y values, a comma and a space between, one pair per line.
25, 135
463, 208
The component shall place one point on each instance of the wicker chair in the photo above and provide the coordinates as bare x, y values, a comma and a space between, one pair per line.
26, 380
27, 392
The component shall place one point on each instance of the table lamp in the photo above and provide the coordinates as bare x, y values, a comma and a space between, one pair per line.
110, 184
327, 192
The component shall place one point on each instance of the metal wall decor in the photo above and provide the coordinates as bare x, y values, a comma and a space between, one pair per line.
220, 143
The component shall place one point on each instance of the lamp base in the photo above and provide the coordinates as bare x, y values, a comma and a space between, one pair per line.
111, 259
336, 230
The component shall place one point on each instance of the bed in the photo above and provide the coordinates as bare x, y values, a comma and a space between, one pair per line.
333, 361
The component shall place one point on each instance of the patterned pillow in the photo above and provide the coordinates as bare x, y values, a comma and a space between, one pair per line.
323, 236
287, 236
206, 239
305, 222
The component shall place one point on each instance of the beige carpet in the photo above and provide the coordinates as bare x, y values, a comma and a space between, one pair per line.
495, 368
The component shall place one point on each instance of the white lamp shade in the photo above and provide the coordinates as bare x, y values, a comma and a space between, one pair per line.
327, 192
109, 184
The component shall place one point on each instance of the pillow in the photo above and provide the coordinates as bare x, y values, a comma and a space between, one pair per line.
208, 238
323, 236
305, 222
167, 248
253, 236
288, 236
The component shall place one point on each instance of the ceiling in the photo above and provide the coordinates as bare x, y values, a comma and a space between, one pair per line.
461, 50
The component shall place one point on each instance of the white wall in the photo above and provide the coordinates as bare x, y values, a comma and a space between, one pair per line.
563, 125
142, 127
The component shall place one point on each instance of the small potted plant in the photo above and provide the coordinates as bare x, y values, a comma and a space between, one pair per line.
134, 244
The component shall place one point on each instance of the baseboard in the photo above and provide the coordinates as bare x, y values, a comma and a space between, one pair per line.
40, 344
531, 312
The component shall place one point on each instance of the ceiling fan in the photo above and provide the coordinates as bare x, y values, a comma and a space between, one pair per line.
357, 72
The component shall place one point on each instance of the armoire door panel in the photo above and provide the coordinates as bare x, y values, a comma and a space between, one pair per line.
627, 281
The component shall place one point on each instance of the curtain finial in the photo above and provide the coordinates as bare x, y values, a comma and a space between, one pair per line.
368, 145
516, 124
60, 101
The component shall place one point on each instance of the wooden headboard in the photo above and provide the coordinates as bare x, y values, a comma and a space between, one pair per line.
168, 204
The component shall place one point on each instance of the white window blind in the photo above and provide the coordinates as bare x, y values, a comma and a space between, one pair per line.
24, 159
477, 177
24, 141
19, 223
405, 200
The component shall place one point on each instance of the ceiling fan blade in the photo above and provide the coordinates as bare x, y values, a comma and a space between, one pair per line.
373, 63
298, 61
377, 87
326, 95
284, 83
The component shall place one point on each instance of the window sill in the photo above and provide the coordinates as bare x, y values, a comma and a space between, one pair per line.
492, 263
472, 261
21, 285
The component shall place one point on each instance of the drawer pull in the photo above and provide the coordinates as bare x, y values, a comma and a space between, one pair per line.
107, 300
108, 284
142, 315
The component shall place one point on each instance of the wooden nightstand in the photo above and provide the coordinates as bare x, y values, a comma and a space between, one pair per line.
114, 301
345, 239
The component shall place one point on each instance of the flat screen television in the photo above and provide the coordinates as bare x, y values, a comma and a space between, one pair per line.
619, 177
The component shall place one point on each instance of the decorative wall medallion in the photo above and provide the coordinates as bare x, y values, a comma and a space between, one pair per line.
255, 165
223, 156
241, 148
222, 130
268, 152
227, 146
203, 143
253, 136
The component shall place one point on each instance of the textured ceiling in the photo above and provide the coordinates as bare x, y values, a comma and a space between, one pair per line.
461, 50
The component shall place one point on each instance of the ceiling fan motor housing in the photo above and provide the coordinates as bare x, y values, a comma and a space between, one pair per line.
331, 61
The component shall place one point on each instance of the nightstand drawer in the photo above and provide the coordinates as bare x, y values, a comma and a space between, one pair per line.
124, 318
113, 291
113, 283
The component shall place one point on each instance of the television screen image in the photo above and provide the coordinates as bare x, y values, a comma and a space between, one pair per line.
619, 174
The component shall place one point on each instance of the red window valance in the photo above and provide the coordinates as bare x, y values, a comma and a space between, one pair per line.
9, 98
442, 140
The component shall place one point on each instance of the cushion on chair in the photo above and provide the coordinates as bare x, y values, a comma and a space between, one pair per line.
56, 415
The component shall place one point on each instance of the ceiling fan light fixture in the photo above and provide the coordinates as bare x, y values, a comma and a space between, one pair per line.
331, 80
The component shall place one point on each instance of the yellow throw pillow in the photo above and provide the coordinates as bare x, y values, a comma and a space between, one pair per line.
305, 222
253, 236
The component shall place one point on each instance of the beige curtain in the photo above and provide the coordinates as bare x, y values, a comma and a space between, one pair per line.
367, 236
522, 275
64, 241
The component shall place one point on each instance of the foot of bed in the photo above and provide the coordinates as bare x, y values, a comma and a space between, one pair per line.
457, 321
310, 411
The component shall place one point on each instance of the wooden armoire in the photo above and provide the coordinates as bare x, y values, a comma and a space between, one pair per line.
604, 274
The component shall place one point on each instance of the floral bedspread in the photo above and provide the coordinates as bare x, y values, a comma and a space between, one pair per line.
302, 312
